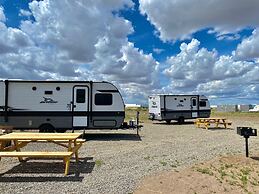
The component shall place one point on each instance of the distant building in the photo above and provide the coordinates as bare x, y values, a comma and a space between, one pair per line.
244, 107
132, 105
234, 108
227, 108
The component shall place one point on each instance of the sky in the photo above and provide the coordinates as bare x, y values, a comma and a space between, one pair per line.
144, 47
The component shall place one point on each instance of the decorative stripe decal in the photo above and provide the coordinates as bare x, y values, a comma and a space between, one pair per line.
64, 113
182, 111
111, 91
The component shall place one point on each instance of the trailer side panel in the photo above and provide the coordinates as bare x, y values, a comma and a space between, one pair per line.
62, 104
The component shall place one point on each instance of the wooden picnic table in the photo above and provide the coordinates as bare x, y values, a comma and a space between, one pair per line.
70, 141
207, 122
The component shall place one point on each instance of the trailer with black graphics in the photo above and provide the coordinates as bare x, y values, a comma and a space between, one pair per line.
60, 105
178, 107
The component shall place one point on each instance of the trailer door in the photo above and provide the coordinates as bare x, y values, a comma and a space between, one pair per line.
194, 106
80, 106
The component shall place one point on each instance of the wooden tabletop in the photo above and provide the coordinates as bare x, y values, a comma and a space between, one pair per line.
211, 118
40, 136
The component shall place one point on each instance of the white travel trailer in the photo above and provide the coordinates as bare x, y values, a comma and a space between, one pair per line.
60, 105
178, 107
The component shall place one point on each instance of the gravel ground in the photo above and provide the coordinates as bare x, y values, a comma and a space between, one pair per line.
115, 161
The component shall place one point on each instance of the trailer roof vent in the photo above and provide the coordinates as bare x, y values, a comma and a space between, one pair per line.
34, 88
58, 88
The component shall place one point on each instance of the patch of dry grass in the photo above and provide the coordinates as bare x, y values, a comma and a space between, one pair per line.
233, 172
131, 113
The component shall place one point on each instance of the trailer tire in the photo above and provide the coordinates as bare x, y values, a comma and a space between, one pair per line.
181, 120
46, 128
168, 121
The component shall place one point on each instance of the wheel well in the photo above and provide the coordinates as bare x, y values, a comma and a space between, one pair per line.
181, 119
46, 127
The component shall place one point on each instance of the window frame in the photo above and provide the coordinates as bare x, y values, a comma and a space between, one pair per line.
201, 103
79, 96
103, 104
194, 100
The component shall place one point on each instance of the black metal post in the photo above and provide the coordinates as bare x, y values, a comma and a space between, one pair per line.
137, 122
246, 132
246, 146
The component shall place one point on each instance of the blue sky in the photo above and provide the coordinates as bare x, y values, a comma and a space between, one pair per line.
143, 47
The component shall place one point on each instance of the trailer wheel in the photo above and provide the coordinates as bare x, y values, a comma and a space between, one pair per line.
46, 128
181, 120
168, 121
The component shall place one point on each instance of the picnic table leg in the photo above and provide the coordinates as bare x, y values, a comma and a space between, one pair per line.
76, 152
17, 149
1, 146
225, 125
217, 124
206, 126
69, 145
67, 161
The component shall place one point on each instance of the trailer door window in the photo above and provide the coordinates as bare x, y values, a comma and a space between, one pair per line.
80, 96
193, 102
202, 103
103, 99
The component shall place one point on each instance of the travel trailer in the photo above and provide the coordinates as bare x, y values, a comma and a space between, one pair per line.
178, 107
60, 105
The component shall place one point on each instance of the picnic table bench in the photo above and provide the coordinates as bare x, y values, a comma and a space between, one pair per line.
215, 122
71, 141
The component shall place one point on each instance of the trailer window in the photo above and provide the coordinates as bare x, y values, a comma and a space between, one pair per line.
202, 103
103, 99
194, 102
80, 96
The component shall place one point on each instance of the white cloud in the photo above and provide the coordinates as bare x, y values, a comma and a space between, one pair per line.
158, 50
197, 70
71, 26
87, 40
25, 13
179, 19
229, 37
7, 40
12, 39
132, 66
133, 71
2, 15
226, 67
77, 40
248, 49
191, 63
